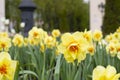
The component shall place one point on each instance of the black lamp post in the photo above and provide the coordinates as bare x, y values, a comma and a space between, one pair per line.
27, 8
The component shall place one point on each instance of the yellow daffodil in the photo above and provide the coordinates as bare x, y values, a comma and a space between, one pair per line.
88, 36
4, 34
36, 33
102, 73
118, 30
42, 47
110, 37
5, 43
118, 50
7, 67
25, 41
57, 52
32, 41
73, 46
49, 41
111, 48
18, 40
118, 47
91, 49
56, 33
97, 35
116, 35
115, 41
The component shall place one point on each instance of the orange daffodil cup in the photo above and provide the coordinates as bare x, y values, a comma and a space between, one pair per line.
7, 67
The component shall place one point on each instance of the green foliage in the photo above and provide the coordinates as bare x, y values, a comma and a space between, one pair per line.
112, 16
37, 65
13, 13
66, 15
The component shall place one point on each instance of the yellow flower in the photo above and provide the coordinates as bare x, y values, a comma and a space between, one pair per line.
18, 40
57, 52
115, 41
118, 30
7, 67
36, 33
108, 38
115, 38
118, 47
116, 35
42, 47
73, 46
88, 36
111, 48
33, 41
3, 34
50, 41
97, 35
5, 43
25, 41
56, 33
102, 73
91, 49
118, 50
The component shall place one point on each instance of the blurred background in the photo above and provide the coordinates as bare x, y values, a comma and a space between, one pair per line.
66, 15
69, 15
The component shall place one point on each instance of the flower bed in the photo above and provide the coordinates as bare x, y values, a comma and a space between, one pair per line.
70, 56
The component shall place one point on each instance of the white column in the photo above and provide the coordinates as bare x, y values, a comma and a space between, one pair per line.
2, 13
96, 17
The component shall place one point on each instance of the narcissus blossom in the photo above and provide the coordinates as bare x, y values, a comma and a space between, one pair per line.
42, 47
102, 73
18, 40
73, 46
7, 67
88, 36
111, 49
25, 41
50, 42
4, 34
97, 35
110, 37
36, 35
56, 33
91, 49
5, 43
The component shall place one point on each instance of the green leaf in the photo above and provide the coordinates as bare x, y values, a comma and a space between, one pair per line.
57, 68
28, 72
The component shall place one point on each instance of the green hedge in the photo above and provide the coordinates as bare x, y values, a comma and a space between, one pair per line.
112, 16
